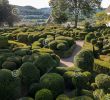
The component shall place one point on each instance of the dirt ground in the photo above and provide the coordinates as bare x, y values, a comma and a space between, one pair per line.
69, 61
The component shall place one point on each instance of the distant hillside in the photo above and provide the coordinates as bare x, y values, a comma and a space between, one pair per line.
29, 12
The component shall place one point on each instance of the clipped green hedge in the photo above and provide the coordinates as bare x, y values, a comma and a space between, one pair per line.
67, 53
62, 97
84, 60
101, 66
9, 85
45, 63
53, 82
44, 94
29, 73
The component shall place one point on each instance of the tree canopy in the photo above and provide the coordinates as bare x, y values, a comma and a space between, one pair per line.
6, 13
85, 7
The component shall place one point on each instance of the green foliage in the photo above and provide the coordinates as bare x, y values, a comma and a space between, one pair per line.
53, 82
106, 97
62, 97
58, 11
27, 58
34, 88
9, 85
89, 37
79, 80
52, 45
22, 37
103, 81
29, 73
44, 63
36, 44
61, 46
16, 59
68, 78
44, 94
3, 42
82, 98
9, 65
98, 94
102, 18
101, 66
84, 60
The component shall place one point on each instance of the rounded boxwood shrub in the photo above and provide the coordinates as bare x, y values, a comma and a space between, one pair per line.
68, 79
29, 73
36, 44
98, 94
103, 81
16, 59
79, 80
106, 97
22, 37
84, 60
61, 46
44, 63
26, 98
89, 37
62, 97
56, 58
53, 45
88, 75
44, 94
9, 65
9, 85
53, 82
33, 89
82, 98
27, 58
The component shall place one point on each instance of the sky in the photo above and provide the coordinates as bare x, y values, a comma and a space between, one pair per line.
44, 3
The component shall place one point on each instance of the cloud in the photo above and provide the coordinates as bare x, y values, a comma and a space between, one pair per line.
34, 3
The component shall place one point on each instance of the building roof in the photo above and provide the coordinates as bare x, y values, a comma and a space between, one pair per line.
108, 9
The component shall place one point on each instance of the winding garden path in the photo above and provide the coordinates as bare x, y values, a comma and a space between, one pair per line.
69, 61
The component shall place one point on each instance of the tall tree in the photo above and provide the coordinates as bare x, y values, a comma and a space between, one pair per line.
102, 18
59, 10
6, 13
86, 7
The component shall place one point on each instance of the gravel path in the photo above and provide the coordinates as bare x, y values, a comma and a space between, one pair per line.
69, 61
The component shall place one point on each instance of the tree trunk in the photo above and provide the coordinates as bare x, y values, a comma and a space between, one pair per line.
76, 21
76, 15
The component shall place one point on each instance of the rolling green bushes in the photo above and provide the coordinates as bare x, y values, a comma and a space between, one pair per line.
44, 94
106, 97
4, 42
61, 46
22, 38
82, 98
103, 81
29, 73
68, 79
79, 81
101, 66
36, 44
53, 82
62, 97
53, 45
45, 63
9, 85
9, 65
89, 37
84, 60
